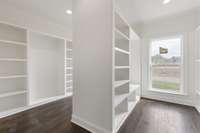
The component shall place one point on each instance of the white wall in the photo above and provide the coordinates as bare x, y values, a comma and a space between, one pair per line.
24, 18
181, 24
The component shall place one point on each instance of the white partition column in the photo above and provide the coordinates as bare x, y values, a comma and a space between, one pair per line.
103, 97
92, 52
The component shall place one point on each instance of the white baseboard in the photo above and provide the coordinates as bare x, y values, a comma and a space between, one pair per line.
170, 100
43, 101
88, 126
198, 108
33, 105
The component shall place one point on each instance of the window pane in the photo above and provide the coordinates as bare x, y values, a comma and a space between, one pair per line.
166, 64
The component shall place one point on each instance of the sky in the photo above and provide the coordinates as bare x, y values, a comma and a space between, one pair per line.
173, 45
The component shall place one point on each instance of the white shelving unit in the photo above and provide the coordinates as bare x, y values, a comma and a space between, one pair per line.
33, 68
125, 97
13, 70
68, 69
47, 67
197, 69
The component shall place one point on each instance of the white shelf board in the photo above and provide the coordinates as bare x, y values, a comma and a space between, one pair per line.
13, 76
69, 68
68, 81
198, 92
12, 94
198, 60
134, 87
13, 59
68, 49
121, 34
119, 118
14, 42
122, 51
122, 19
132, 104
68, 58
119, 83
120, 98
122, 67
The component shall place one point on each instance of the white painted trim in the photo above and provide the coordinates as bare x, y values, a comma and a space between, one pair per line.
168, 92
31, 30
43, 102
168, 99
88, 126
12, 93
197, 108
182, 85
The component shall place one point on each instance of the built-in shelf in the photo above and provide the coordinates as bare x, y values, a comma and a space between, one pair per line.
12, 94
134, 87
122, 67
125, 95
119, 35
119, 83
22, 47
68, 65
123, 51
121, 24
119, 118
120, 98
13, 76
13, 42
122, 59
132, 104
13, 59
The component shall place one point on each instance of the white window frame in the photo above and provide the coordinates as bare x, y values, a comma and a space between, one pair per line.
181, 89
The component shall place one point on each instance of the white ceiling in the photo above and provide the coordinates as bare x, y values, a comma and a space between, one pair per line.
137, 11
134, 10
52, 9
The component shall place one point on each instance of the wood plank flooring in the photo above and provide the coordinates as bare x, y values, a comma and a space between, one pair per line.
148, 117
161, 117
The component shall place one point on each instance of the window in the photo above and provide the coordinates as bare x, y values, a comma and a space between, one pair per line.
166, 64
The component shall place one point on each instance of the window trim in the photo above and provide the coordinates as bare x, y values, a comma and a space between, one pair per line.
181, 90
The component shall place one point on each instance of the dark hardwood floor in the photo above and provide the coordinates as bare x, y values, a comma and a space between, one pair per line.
161, 117
148, 117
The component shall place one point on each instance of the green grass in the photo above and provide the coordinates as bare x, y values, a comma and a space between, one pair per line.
165, 85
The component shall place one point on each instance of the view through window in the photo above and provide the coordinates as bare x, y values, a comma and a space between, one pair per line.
166, 64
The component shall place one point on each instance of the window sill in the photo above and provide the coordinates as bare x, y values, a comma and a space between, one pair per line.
167, 91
